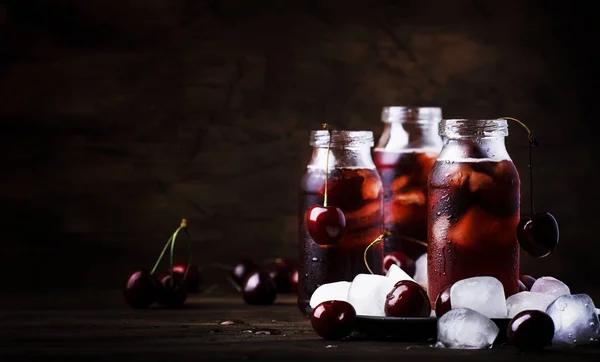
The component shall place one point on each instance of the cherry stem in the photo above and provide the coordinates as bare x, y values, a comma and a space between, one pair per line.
171, 243
325, 127
408, 238
378, 240
234, 284
532, 143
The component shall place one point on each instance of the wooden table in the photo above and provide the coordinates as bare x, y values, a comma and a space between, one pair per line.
98, 325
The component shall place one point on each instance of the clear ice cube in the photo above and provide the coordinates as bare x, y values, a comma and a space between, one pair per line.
396, 274
421, 271
550, 285
484, 295
575, 320
465, 328
330, 291
368, 292
519, 302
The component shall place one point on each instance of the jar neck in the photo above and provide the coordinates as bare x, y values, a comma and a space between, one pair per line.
473, 128
401, 136
468, 149
353, 157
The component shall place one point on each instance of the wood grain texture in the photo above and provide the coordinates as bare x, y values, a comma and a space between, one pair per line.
120, 117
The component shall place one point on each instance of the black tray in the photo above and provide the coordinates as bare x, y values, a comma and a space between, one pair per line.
410, 329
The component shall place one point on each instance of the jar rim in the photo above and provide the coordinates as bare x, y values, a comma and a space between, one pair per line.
411, 114
472, 127
341, 138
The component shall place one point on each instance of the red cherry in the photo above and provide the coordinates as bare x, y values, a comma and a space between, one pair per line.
241, 270
259, 289
530, 330
407, 299
538, 235
192, 279
141, 289
325, 224
522, 287
281, 272
527, 280
333, 320
173, 292
401, 260
442, 302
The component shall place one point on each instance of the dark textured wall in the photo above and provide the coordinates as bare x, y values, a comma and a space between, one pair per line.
120, 117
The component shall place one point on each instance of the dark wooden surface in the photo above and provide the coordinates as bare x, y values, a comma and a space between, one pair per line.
99, 325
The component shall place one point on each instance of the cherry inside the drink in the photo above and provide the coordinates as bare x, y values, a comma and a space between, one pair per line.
473, 217
358, 193
404, 176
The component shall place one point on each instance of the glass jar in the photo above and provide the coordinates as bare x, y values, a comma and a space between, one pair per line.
353, 186
474, 200
406, 151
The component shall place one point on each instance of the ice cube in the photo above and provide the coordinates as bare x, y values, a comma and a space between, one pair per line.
550, 285
465, 328
396, 274
484, 295
526, 301
330, 291
421, 271
368, 292
480, 181
575, 320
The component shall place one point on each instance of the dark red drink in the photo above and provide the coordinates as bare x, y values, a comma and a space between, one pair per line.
404, 176
473, 217
358, 193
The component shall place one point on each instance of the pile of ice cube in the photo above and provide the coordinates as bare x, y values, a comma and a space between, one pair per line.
475, 300
367, 292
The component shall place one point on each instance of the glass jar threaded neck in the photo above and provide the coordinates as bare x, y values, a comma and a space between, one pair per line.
473, 128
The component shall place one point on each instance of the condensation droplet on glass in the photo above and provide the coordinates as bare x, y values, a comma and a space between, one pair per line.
570, 335
574, 341
592, 324
314, 259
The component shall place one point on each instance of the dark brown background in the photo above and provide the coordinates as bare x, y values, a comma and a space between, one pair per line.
120, 117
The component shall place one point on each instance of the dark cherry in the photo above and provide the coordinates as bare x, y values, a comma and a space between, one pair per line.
192, 279
538, 235
259, 289
141, 289
527, 280
173, 292
530, 330
522, 287
281, 272
241, 270
401, 260
325, 224
333, 320
294, 280
407, 299
442, 302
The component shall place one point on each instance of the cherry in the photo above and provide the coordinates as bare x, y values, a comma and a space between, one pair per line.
173, 292
522, 287
530, 330
407, 299
401, 260
281, 272
527, 280
538, 235
241, 270
192, 279
333, 320
141, 289
259, 289
325, 224
442, 302
294, 281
